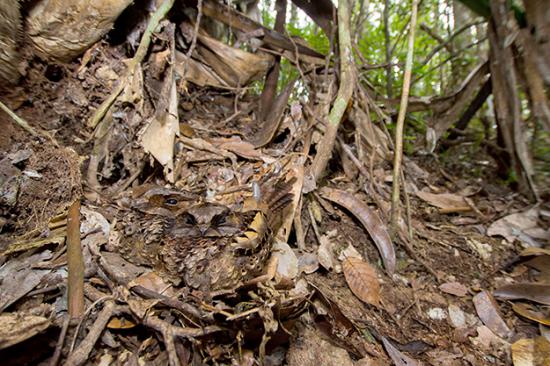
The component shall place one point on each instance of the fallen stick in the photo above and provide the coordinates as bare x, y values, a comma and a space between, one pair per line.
75, 263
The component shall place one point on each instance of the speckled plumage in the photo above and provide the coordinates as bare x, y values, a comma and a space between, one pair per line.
205, 246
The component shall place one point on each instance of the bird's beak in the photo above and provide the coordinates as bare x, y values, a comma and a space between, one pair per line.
203, 229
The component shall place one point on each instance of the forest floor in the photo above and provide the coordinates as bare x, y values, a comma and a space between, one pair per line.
437, 308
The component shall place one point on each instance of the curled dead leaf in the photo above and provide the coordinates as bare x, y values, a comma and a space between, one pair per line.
370, 220
120, 323
454, 288
362, 280
530, 312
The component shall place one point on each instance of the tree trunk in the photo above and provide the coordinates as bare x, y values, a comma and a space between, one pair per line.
507, 102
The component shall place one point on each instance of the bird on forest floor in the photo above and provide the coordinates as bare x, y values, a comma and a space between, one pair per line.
208, 246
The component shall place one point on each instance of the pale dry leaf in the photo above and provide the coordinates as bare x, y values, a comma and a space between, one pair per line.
362, 280
349, 252
487, 340
159, 136
521, 222
531, 352
457, 318
308, 263
454, 288
325, 253
447, 202
17, 327
287, 262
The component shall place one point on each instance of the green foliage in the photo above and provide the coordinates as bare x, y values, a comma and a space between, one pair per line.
268, 15
312, 34
440, 64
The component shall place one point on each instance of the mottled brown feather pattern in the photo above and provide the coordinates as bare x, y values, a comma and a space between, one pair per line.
206, 246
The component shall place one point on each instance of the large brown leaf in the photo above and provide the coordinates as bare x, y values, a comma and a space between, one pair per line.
447, 202
488, 312
529, 291
370, 220
362, 280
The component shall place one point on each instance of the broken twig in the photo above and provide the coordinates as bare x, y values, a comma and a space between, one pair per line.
75, 263
25, 125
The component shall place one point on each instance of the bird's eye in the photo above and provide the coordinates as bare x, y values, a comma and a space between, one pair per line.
219, 220
189, 219
171, 201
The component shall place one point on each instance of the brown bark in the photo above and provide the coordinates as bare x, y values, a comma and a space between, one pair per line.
75, 263
270, 86
538, 20
540, 105
507, 103
472, 109
321, 11
240, 22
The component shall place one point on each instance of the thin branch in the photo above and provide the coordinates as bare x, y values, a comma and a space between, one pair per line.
195, 35
445, 44
387, 44
450, 58
60, 341
270, 86
398, 152
25, 125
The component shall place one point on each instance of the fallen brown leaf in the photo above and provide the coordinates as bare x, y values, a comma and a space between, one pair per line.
488, 312
120, 323
529, 291
17, 327
454, 288
511, 226
447, 202
399, 358
362, 280
529, 312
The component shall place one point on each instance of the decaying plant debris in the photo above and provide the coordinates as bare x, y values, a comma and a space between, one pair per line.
170, 114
